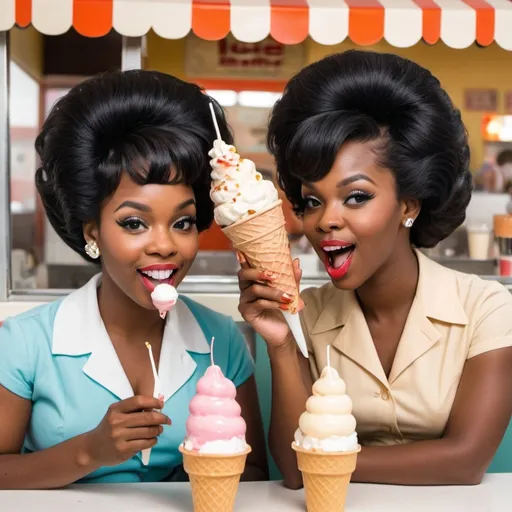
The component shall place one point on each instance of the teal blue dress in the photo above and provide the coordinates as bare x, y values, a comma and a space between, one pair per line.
60, 357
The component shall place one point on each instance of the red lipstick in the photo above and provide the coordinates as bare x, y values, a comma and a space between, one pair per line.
336, 273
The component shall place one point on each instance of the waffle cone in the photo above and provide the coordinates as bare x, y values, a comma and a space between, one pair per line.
262, 238
214, 479
326, 477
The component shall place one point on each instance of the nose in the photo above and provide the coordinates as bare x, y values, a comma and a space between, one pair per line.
331, 220
162, 243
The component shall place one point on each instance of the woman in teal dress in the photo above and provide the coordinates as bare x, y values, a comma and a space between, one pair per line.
124, 179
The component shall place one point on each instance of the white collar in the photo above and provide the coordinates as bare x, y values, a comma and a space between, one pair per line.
79, 330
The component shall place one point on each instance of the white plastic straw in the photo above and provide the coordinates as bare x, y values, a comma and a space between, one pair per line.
214, 118
151, 358
329, 362
211, 351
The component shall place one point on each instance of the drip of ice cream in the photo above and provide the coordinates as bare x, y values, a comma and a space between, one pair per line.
328, 424
238, 190
215, 424
164, 296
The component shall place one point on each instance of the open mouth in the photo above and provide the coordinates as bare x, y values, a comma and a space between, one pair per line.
152, 278
337, 256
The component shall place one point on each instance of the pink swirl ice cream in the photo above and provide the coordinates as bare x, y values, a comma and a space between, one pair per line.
164, 296
215, 424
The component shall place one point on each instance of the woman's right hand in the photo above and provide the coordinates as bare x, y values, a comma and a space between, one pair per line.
261, 303
130, 426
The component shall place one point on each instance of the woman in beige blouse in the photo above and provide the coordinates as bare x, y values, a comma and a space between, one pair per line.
374, 157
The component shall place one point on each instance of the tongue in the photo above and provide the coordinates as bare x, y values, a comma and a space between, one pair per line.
340, 258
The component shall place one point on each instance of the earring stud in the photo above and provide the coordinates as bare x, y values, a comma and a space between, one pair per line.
92, 250
409, 222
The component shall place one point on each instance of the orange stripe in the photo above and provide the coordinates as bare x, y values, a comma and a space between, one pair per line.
23, 12
485, 18
92, 18
289, 21
210, 19
431, 20
366, 21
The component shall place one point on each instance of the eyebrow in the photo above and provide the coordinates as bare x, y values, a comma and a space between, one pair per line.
134, 205
353, 179
345, 182
188, 202
145, 208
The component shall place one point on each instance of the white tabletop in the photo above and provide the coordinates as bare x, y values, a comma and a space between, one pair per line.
493, 495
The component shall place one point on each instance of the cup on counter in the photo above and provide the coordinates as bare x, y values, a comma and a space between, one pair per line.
503, 234
479, 240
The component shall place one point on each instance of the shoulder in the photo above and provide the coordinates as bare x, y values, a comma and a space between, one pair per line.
478, 295
25, 347
456, 297
34, 324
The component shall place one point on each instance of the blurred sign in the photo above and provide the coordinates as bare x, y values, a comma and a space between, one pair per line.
481, 100
229, 58
249, 124
508, 102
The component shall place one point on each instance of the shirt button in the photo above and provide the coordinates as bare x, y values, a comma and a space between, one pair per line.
384, 394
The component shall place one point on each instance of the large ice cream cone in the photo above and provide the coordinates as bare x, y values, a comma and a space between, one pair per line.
262, 238
214, 479
326, 477
251, 215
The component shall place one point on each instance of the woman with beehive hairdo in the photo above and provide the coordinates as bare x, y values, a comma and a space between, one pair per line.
374, 157
125, 181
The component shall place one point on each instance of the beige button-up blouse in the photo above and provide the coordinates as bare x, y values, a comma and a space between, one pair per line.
454, 317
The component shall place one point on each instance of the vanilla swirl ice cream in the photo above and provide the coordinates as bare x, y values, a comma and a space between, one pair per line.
328, 424
238, 189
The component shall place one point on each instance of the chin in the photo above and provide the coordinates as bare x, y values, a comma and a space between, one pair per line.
346, 283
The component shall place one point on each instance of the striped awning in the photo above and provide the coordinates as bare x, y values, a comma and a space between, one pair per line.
403, 23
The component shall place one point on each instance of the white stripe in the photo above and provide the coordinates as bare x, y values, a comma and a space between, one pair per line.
403, 22
7, 18
328, 21
170, 19
52, 17
458, 23
503, 23
250, 20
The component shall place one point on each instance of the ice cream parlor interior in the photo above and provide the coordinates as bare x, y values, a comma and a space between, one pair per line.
245, 68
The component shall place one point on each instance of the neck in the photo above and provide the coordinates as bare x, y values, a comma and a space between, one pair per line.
125, 318
393, 287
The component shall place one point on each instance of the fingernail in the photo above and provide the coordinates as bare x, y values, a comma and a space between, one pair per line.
284, 307
169, 422
269, 274
161, 429
286, 297
238, 257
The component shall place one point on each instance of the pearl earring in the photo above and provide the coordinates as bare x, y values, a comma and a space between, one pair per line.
409, 222
92, 250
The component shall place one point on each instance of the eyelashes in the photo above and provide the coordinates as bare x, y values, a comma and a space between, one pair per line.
136, 224
355, 198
